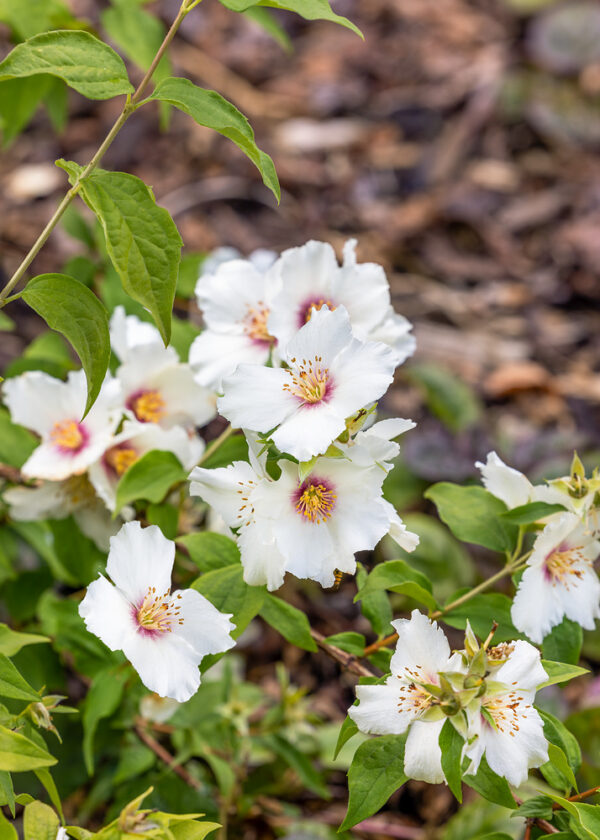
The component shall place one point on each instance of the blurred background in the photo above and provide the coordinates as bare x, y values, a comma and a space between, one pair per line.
459, 144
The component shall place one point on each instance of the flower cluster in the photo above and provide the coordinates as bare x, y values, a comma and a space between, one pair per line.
486, 692
559, 576
152, 402
301, 373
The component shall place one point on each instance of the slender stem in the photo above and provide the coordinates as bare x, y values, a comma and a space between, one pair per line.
579, 796
507, 570
128, 109
346, 660
527, 835
166, 757
215, 444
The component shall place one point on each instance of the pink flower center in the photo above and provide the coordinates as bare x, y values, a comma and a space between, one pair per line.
147, 405
313, 305
255, 323
315, 500
310, 381
156, 614
560, 565
69, 436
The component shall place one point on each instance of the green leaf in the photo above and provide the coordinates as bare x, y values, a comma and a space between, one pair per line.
289, 621
149, 478
557, 770
39, 822
473, 515
18, 753
193, 830
558, 734
233, 449
299, 762
537, 806
492, 787
16, 443
103, 698
583, 815
211, 551
6, 324
481, 611
564, 642
7, 829
228, 591
308, 9
451, 745
375, 607
532, 512
559, 672
166, 517
7, 796
28, 17
73, 310
397, 576
210, 109
11, 641
267, 21
12, 684
189, 272
141, 238
449, 398
347, 730
349, 641
377, 770
138, 34
19, 100
77, 554
45, 777
84, 62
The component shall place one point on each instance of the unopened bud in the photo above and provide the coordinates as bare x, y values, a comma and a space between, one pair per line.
450, 705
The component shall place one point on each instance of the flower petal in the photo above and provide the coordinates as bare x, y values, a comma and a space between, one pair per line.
523, 667
254, 398
504, 482
202, 625
107, 613
422, 754
166, 664
378, 712
140, 558
226, 489
422, 647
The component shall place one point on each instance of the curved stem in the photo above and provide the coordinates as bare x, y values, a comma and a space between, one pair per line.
215, 444
130, 106
507, 570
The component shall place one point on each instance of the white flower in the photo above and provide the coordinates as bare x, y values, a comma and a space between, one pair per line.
309, 528
235, 303
376, 445
53, 409
310, 278
403, 703
59, 499
503, 724
157, 709
134, 440
158, 388
164, 636
559, 579
128, 332
61, 834
504, 482
262, 259
330, 376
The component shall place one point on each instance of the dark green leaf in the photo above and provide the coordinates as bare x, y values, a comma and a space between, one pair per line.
492, 787
451, 745
141, 238
19, 100
375, 607
12, 683
166, 517
377, 770
532, 512
564, 642
11, 641
73, 310
537, 806
84, 62
228, 591
16, 443
233, 449
473, 515
289, 621
103, 698
558, 734
347, 730
210, 109
149, 478
481, 611
78, 554
557, 770
397, 576
211, 551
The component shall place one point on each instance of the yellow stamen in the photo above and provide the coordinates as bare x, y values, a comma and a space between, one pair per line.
315, 306
149, 407
156, 613
316, 503
66, 434
309, 380
121, 458
560, 564
255, 323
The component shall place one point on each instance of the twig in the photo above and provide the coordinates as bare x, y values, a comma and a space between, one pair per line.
166, 757
347, 660
14, 475
527, 835
579, 796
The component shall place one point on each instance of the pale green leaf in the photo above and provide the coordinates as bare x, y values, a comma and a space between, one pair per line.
12, 684
11, 641
210, 109
84, 62
18, 753
70, 308
40, 822
308, 9
397, 576
559, 672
